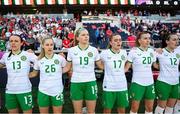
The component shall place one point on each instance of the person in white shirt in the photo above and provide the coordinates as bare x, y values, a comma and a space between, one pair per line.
141, 59
177, 105
50, 66
168, 79
82, 59
115, 91
18, 88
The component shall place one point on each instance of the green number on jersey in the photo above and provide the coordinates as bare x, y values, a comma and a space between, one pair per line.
173, 61
117, 64
147, 60
16, 65
84, 61
50, 68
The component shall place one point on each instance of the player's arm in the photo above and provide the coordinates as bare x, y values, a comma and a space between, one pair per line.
127, 66
2, 65
100, 64
67, 67
33, 74
156, 65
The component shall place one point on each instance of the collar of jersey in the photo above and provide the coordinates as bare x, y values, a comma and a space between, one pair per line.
142, 49
168, 50
113, 51
49, 58
17, 53
83, 49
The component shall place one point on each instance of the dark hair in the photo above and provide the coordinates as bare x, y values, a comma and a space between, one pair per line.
169, 36
139, 37
21, 39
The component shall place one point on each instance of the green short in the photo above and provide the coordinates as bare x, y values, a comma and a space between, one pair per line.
84, 91
14, 100
118, 99
45, 100
137, 92
165, 91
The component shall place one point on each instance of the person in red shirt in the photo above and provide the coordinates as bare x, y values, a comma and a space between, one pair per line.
131, 40
66, 43
71, 35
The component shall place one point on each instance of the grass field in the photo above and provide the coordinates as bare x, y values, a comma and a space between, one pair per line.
67, 107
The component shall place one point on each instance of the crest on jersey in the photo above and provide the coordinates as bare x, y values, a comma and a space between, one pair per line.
151, 54
23, 58
178, 55
90, 54
56, 61
123, 57
139, 54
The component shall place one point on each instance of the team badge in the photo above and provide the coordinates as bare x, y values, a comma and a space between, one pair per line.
151, 54
139, 54
90, 54
56, 61
123, 57
23, 58
178, 55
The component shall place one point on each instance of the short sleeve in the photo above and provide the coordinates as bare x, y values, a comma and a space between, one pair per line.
69, 55
97, 55
36, 65
63, 63
130, 56
32, 57
102, 55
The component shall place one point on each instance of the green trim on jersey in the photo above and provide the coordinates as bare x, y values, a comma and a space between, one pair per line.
168, 50
49, 58
113, 51
83, 49
142, 49
17, 53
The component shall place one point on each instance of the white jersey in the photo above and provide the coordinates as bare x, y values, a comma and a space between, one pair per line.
18, 67
169, 62
83, 62
51, 74
114, 78
141, 64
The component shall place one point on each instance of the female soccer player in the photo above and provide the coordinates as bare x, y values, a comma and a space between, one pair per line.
50, 66
177, 106
18, 88
83, 82
142, 84
168, 79
115, 84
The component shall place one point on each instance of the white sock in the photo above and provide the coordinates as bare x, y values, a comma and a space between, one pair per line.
177, 108
148, 112
132, 112
159, 110
168, 110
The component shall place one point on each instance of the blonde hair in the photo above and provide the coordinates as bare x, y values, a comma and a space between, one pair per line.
77, 33
42, 53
